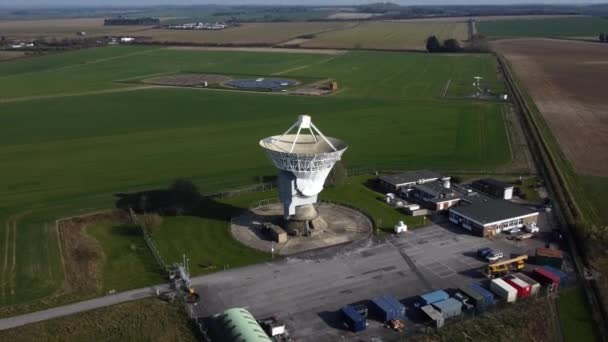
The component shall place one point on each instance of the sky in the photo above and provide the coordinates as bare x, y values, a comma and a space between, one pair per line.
103, 3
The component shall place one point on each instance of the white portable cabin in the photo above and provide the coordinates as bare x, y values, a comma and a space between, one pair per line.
433, 314
400, 227
503, 290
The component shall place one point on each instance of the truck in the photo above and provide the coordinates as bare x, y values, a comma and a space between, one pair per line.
503, 290
523, 289
535, 286
563, 277
546, 277
489, 254
474, 297
387, 308
448, 307
488, 296
352, 319
549, 256
461, 297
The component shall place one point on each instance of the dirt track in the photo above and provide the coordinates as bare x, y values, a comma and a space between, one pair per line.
259, 49
566, 79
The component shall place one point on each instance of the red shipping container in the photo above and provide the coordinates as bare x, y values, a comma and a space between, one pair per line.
545, 277
523, 289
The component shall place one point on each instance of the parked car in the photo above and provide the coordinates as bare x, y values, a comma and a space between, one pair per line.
524, 236
513, 231
484, 252
464, 300
532, 228
494, 257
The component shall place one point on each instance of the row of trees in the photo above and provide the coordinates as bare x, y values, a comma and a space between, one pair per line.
449, 45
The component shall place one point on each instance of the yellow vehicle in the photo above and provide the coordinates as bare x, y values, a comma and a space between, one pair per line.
503, 267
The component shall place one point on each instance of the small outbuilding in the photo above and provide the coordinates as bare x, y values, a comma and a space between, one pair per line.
494, 188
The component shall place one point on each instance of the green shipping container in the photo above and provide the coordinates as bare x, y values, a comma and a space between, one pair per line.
477, 299
549, 261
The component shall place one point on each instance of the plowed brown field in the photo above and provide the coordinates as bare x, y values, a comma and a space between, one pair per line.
567, 81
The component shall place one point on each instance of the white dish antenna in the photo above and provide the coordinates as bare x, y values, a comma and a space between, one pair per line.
305, 160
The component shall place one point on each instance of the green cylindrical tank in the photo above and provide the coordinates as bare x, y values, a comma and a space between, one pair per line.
238, 325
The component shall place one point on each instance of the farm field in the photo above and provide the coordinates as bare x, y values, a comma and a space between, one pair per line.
69, 154
247, 34
142, 320
398, 35
63, 28
565, 80
544, 27
6, 55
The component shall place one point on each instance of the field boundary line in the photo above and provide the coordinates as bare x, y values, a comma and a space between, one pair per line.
84, 93
446, 88
6, 253
304, 66
14, 263
94, 61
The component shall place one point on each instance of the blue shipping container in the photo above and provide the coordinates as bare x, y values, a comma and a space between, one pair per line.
352, 318
488, 297
433, 297
383, 310
396, 304
563, 277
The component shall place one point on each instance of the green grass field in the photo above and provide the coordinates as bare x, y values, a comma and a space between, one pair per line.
574, 315
550, 27
390, 35
128, 262
69, 153
142, 320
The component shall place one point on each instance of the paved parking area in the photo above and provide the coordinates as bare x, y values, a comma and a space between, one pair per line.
308, 290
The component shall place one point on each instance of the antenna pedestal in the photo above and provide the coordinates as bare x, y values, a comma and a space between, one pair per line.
305, 222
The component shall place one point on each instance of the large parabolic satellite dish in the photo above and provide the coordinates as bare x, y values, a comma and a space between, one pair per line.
304, 160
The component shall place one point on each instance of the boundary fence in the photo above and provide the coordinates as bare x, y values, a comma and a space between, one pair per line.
149, 242
568, 211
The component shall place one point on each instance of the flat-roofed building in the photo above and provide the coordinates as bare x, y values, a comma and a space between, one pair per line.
393, 183
488, 216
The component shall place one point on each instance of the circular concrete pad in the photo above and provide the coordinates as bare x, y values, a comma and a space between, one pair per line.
344, 225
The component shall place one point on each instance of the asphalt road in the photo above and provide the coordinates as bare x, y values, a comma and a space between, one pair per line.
122, 297
308, 289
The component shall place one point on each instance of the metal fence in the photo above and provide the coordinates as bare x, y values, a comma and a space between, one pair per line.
149, 242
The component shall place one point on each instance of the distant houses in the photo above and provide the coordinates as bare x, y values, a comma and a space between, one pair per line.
198, 26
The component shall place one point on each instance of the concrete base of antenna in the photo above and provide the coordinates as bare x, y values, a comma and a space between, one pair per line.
305, 222
327, 224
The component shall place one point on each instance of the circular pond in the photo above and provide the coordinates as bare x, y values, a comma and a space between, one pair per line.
269, 84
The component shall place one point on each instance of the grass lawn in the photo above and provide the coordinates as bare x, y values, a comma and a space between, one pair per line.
574, 316
596, 189
142, 320
128, 263
528, 187
550, 27
206, 238
357, 192
63, 156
